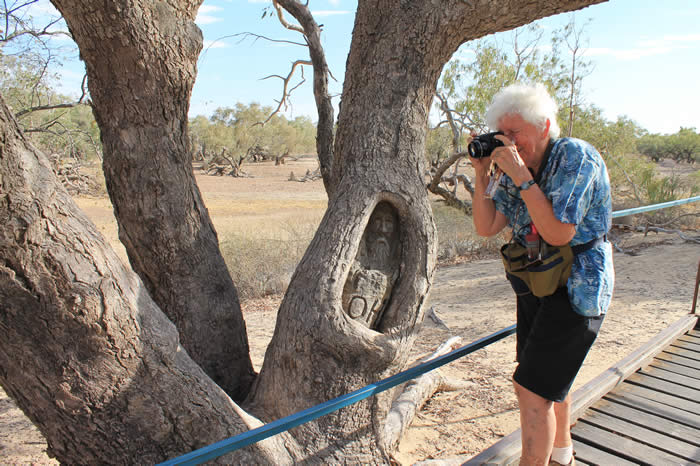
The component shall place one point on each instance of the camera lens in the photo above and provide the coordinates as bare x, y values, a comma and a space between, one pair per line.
475, 149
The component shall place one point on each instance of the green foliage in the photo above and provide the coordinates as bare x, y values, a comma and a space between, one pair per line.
636, 182
69, 132
437, 144
683, 146
238, 130
616, 137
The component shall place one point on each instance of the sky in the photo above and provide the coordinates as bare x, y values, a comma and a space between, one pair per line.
645, 56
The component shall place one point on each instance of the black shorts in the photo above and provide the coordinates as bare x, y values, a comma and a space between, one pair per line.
552, 342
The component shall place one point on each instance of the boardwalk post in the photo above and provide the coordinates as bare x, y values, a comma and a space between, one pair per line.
695, 295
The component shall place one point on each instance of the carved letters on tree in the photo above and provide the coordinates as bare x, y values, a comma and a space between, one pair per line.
375, 269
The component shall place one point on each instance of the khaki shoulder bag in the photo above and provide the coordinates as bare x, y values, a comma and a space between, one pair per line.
541, 277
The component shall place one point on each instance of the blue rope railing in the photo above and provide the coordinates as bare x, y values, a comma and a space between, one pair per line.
281, 425
248, 438
649, 208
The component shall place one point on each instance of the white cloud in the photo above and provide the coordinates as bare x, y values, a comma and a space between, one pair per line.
214, 44
204, 14
334, 2
684, 38
648, 47
209, 9
322, 13
206, 19
627, 54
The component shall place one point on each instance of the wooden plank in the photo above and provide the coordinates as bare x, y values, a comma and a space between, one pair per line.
650, 421
691, 342
599, 386
509, 446
677, 369
663, 386
670, 400
670, 376
676, 359
624, 447
692, 355
694, 333
687, 346
688, 418
585, 453
657, 440
689, 336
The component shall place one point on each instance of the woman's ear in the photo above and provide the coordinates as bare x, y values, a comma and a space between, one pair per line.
545, 130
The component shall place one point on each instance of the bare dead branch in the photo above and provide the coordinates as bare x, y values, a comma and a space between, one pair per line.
450, 198
324, 127
675, 219
258, 36
283, 20
450, 120
286, 91
682, 235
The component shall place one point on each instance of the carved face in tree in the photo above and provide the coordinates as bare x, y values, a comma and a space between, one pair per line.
381, 238
375, 270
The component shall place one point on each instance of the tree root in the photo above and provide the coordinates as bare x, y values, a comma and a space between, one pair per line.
414, 395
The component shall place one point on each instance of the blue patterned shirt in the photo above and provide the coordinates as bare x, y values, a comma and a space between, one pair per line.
576, 181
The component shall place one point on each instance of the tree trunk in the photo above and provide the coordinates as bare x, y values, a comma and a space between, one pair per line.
141, 63
84, 351
397, 54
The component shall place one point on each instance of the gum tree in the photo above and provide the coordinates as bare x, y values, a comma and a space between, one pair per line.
86, 348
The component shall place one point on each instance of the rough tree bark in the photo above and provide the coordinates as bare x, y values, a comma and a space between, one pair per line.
141, 61
112, 363
84, 350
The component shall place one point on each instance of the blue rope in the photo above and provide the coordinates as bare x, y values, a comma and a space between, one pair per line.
268, 430
663, 205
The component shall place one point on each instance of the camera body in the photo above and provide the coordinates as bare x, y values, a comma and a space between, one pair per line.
482, 145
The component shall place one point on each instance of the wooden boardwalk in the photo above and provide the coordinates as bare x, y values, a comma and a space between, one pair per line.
644, 410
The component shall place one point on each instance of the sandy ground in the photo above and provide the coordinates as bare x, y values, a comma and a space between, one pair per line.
654, 288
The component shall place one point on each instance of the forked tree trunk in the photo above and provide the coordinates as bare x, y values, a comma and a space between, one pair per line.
84, 350
141, 62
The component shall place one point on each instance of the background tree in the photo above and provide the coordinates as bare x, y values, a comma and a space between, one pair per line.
62, 126
683, 146
115, 375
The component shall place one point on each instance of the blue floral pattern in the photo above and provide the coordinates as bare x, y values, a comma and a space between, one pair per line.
575, 179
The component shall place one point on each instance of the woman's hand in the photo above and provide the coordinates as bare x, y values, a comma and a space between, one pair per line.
481, 166
508, 159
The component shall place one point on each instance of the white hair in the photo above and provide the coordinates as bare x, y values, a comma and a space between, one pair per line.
532, 102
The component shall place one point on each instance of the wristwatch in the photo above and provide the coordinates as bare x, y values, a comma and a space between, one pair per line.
526, 185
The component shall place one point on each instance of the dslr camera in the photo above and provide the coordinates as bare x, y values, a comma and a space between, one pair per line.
482, 145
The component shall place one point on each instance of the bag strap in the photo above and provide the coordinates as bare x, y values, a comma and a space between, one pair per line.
579, 248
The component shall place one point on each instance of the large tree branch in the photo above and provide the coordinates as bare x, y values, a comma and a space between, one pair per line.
84, 350
140, 88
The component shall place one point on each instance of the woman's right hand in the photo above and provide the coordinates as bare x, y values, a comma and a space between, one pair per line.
482, 166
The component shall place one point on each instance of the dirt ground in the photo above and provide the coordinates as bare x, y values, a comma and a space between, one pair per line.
654, 287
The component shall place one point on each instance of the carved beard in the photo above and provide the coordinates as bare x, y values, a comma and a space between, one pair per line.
381, 253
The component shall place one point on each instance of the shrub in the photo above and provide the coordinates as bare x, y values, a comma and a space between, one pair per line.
457, 239
264, 266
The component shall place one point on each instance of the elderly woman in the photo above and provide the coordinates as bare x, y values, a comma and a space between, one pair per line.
555, 196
